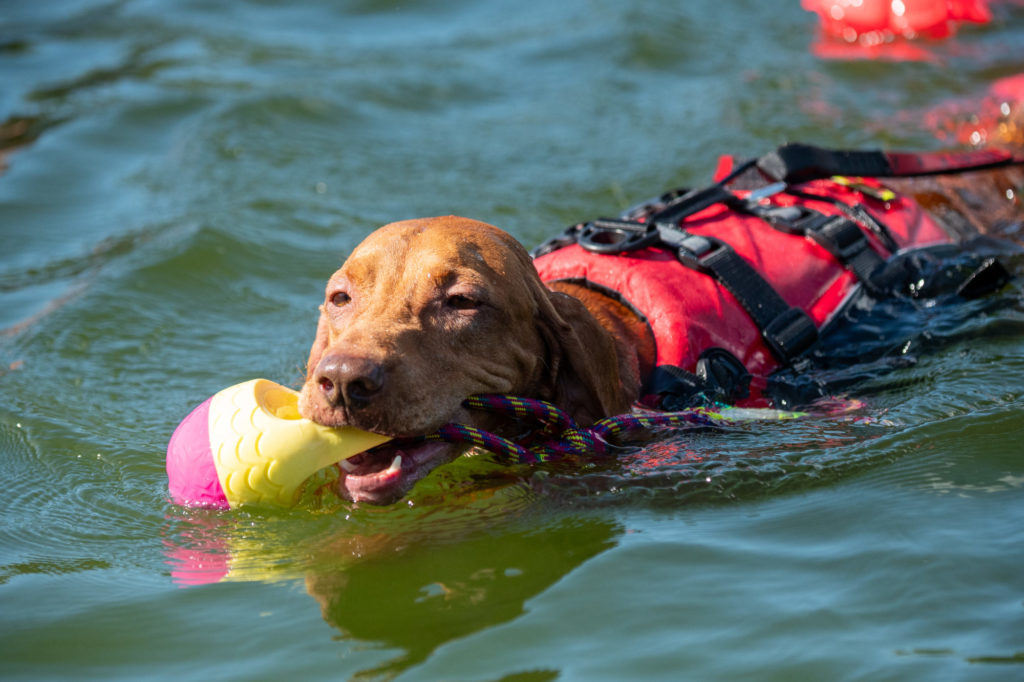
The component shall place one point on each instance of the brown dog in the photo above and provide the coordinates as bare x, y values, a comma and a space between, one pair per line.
425, 313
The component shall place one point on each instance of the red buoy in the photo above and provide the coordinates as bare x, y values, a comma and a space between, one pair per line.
873, 22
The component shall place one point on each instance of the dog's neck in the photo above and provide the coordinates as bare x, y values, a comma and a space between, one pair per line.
634, 340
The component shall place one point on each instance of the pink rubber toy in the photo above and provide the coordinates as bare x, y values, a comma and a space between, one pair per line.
248, 445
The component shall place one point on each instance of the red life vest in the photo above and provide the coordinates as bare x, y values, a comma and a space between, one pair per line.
689, 311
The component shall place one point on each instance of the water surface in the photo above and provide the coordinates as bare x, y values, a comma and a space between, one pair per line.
190, 173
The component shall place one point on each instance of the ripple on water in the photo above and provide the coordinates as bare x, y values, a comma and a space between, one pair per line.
72, 504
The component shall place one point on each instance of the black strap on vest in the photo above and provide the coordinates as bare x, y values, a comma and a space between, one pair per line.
839, 235
787, 330
855, 212
796, 163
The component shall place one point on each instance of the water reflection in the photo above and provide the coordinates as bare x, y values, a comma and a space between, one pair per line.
409, 588
418, 599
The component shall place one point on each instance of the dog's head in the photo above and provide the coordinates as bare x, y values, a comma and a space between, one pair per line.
425, 313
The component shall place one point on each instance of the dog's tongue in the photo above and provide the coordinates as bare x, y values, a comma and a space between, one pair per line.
363, 463
387, 472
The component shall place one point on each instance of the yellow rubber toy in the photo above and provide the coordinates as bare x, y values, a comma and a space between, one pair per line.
255, 448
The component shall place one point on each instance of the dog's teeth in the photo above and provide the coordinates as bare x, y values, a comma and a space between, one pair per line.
396, 464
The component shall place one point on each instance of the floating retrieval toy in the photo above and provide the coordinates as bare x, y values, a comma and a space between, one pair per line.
248, 444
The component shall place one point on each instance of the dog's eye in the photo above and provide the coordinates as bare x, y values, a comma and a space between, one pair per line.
462, 302
340, 298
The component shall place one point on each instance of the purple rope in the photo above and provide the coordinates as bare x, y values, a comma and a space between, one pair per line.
560, 435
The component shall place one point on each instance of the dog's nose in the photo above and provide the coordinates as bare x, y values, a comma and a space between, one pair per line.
352, 381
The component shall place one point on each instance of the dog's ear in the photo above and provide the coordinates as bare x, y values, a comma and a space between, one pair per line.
319, 344
582, 361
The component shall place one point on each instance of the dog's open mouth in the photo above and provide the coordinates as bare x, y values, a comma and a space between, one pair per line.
387, 472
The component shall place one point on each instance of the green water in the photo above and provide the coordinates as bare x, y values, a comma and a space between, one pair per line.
192, 172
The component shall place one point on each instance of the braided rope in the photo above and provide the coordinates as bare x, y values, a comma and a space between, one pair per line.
697, 416
563, 436
463, 433
543, 411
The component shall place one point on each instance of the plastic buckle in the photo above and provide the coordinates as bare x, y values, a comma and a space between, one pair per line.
724, 374
791, 333
988, 277
790, 219
673, 388
559, 241
841, 237
762, 193
609, 236
692, 250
